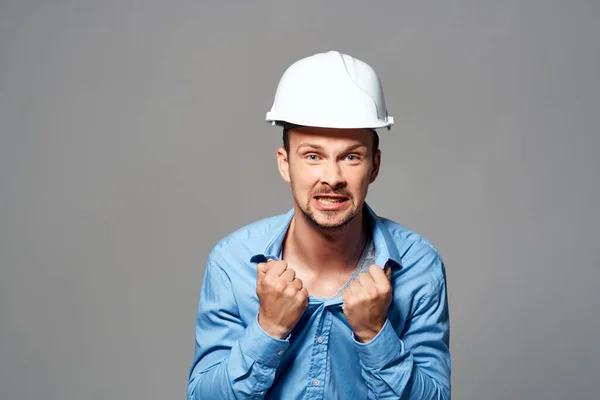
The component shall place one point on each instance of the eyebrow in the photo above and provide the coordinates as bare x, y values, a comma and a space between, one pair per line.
318, 147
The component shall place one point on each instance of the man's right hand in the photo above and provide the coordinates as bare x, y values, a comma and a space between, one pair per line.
283, 298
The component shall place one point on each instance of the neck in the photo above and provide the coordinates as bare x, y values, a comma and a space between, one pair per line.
325, 252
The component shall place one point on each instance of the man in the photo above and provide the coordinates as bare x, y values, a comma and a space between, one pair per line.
328, 301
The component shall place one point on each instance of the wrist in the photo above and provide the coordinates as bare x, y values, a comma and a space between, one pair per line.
272, 329
368, 334
364, 337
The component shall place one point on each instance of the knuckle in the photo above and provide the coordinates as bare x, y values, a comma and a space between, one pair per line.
301, 295
273, 267
386, 291
268, 281
279, 286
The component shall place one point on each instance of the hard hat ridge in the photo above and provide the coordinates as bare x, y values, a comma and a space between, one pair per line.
330, 90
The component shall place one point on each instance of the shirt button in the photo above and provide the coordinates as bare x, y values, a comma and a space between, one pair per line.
262, 393
315, 382
280, 353
320, 339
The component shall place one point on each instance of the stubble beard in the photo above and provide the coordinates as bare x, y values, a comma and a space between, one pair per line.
309, 215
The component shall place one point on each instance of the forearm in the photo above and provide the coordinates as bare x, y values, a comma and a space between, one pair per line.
247, 371
403, 380
391, 372
237, 377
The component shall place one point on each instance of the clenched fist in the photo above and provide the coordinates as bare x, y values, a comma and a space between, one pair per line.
283, 298
366, 301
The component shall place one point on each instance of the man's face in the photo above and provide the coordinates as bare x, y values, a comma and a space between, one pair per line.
329, 171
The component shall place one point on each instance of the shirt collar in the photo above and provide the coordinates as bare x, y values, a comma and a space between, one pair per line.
386, 251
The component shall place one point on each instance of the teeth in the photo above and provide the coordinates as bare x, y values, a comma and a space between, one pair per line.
329, 200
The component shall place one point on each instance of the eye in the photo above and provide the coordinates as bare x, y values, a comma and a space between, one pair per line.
312, 157
352, 157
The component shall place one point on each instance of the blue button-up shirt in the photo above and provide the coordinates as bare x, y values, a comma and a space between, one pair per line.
321, 359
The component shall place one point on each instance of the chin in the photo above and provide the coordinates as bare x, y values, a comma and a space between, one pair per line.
323, 219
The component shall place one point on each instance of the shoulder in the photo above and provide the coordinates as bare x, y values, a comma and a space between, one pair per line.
417, 255
250, 239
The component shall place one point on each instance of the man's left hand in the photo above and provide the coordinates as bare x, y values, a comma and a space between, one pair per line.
366, 301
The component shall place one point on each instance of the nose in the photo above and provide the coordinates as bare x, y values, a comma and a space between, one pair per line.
332, 175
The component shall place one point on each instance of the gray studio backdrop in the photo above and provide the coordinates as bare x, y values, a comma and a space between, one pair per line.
132, 139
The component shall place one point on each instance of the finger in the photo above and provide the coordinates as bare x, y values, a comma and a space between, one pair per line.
276, 268
365, 279
354, 287
296, 284
379, 277
346, 292
261, 268
347, 295
289, 275
304, 293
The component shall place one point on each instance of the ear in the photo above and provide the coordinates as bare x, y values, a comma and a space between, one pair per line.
283, 164
376, 164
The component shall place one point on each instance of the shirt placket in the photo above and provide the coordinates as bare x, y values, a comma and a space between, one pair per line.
318, 374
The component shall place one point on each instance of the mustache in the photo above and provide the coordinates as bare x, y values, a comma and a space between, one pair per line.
333, 192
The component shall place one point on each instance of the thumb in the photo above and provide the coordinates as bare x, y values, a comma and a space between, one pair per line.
264, 266
388, 272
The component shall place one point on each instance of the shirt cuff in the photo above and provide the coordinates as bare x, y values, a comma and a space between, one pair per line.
380, 350
262, 347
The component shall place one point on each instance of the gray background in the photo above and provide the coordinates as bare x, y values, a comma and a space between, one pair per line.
132, 140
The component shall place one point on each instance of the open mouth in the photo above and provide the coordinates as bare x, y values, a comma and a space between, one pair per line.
331, 200
331, 203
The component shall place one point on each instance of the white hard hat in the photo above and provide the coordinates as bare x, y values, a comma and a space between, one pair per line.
330, 90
